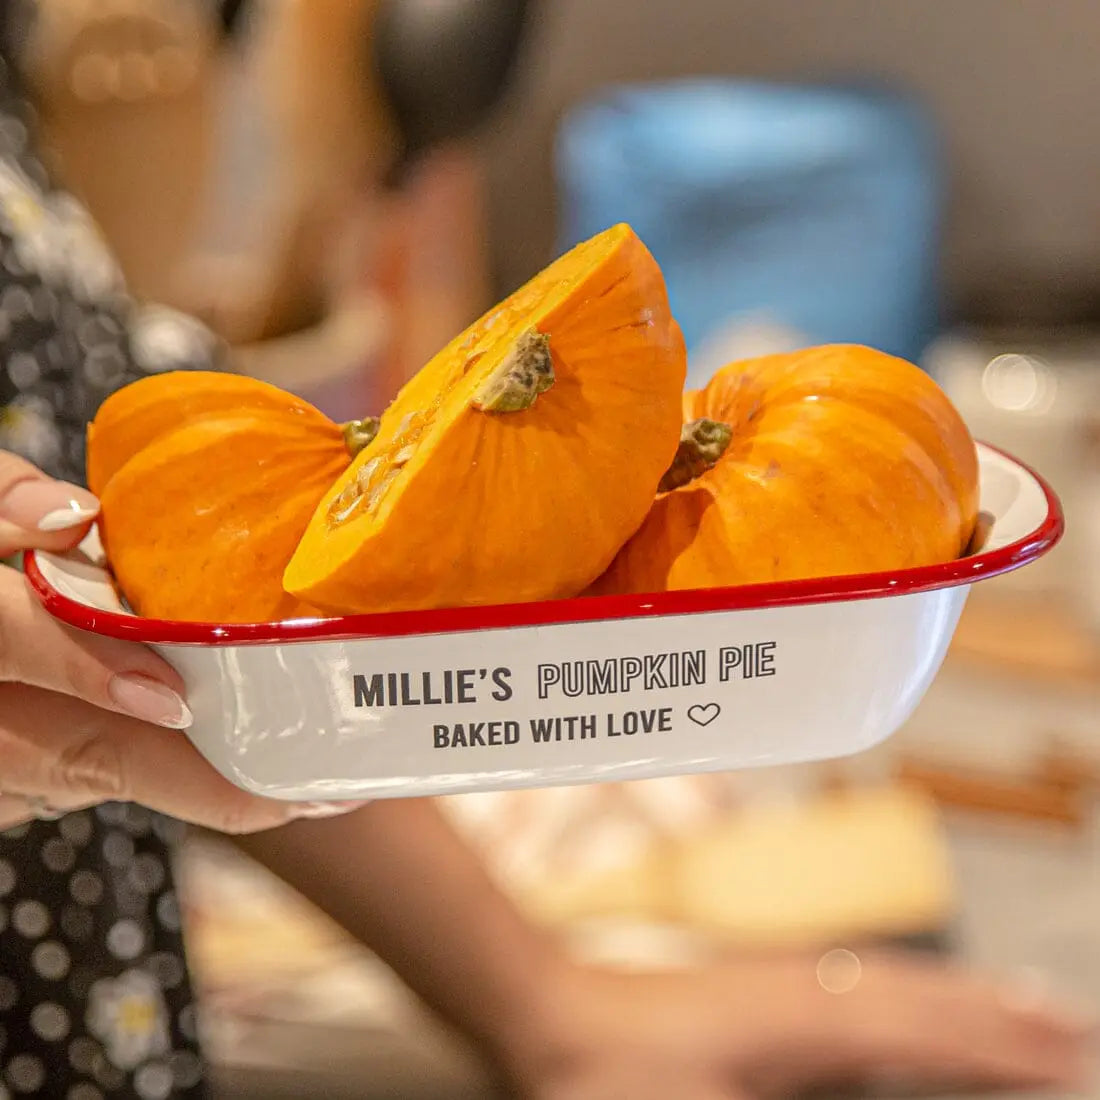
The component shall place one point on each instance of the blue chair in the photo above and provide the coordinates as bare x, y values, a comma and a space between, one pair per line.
816, 208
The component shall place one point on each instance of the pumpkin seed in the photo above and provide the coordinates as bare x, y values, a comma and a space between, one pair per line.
366, 472
374, 498
345, 504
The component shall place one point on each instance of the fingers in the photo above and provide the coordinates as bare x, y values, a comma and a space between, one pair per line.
15, 810
69, 754
938, 1025
119, 676
84, 719
37, 512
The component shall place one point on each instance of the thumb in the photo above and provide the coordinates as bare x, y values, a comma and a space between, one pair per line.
37, 512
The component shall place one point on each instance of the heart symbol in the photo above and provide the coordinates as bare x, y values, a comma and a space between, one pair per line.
704, 715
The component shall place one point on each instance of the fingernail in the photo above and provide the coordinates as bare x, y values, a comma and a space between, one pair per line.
150, 700
317, 810
46, 505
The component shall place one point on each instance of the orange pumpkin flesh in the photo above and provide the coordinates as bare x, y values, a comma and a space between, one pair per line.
519, 459
842, 460
207, 482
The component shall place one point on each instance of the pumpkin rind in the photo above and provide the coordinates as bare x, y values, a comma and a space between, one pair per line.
843, 460
135, 416
207, 482
471, 500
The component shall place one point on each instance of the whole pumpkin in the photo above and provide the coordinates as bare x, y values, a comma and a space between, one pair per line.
829, 461
207, 482
520, 458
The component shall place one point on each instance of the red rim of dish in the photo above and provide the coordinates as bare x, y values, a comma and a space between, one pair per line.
394, 624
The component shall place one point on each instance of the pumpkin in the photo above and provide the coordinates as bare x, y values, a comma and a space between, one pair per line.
520, 458
829, 461
207, 482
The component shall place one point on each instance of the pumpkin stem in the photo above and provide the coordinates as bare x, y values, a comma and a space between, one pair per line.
702, 444
359, 433
525, 372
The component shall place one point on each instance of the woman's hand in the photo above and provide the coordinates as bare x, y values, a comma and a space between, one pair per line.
768, 1028
85, 719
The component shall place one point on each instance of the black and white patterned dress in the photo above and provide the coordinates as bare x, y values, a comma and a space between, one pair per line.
94, 996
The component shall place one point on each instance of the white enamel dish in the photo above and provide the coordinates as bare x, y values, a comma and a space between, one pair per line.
569, 691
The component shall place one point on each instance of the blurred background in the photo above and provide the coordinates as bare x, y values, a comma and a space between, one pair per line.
339, 186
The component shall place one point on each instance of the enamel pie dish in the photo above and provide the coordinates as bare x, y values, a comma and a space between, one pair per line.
570, 691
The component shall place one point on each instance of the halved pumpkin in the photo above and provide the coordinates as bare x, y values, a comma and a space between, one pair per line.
207, 482
829, 461
139, 414
519, 459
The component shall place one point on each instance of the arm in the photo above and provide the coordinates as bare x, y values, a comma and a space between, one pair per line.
399, 878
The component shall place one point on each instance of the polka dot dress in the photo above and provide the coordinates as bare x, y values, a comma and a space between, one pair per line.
94, 996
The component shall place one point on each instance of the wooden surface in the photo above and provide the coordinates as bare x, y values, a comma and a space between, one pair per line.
1037, 638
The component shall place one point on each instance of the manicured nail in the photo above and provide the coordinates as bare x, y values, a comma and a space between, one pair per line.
41, 504
150, 700
317, 810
